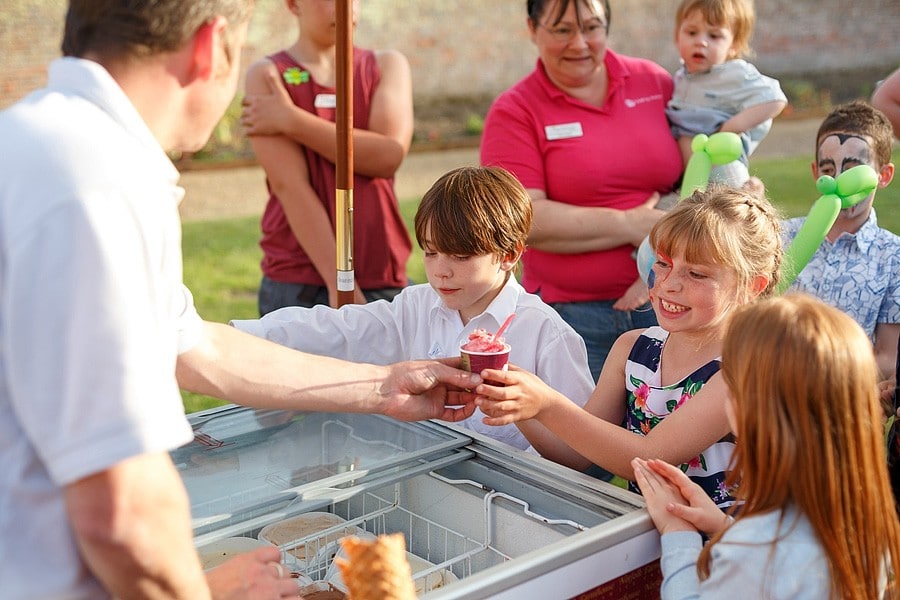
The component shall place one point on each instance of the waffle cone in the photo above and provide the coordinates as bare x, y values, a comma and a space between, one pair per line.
377, 569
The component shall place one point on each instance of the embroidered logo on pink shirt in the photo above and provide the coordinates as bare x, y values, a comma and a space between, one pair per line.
631, 103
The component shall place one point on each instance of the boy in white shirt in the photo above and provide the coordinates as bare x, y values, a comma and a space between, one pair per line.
472, 224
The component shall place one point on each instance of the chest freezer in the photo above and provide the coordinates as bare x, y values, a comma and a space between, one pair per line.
480, 519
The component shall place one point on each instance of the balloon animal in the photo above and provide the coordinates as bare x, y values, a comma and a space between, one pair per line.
846, 190
718, 149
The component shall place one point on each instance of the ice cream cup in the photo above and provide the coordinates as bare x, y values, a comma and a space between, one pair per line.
476, 362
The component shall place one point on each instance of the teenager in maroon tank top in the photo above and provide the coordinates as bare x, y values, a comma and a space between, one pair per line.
289, 114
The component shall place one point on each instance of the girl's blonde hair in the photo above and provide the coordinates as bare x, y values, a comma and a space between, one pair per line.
728, 227
809, 433
737, 15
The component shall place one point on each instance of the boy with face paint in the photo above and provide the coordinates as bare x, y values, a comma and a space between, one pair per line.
857, 266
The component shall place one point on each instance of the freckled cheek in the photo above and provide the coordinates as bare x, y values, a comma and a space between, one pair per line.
653, 277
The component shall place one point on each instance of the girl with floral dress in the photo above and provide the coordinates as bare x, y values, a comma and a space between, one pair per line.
660, 393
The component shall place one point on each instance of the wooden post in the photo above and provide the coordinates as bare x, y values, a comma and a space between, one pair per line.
344, 159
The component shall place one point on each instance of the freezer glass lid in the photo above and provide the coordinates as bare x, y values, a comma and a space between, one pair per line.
241, 458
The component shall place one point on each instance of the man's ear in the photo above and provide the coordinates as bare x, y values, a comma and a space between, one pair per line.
292, 6
207, 48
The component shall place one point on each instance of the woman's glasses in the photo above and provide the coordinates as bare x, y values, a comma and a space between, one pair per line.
592, 30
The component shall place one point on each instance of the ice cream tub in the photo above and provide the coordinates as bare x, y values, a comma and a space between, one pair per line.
311, 538
483, 351
214, 554
321, 590
478, 361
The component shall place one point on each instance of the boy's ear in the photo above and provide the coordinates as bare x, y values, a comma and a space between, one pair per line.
885, 175
509, 261
207, 48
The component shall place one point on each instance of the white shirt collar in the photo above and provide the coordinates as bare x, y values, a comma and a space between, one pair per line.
500, 307
90, 80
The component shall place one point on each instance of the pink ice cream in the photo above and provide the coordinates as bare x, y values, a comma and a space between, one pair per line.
482, 352
481, 340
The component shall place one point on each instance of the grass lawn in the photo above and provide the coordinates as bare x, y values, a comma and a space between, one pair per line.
221, 258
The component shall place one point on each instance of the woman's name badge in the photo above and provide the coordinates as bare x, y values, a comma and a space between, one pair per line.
563, 131
325, 101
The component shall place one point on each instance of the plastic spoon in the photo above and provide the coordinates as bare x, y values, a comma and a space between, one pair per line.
503, 326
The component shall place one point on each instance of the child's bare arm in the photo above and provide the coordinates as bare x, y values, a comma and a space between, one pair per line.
377, 151
679, 438
286, 171
526, 396
595, 432
749, 118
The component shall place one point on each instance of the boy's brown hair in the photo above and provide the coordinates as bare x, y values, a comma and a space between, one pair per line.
858, 117
473, 211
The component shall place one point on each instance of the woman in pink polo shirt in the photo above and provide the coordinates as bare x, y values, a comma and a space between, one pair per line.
586, 134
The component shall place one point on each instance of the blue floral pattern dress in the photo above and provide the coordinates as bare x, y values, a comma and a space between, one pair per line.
649, 402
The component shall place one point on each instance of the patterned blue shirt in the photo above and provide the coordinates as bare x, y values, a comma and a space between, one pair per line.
858, 273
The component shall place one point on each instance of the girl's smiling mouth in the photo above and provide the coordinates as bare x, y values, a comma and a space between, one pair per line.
671, 307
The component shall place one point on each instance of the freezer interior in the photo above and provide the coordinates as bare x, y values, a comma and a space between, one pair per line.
466, 506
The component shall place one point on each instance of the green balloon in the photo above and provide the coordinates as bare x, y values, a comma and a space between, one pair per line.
696, 175
856, 184
724, 147
718, 149
698, 143
820, 219
826, 185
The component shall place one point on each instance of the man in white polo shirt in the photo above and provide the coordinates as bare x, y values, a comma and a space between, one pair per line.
97, 331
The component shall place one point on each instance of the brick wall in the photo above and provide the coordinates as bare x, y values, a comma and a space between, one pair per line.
30, 34
477, 48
